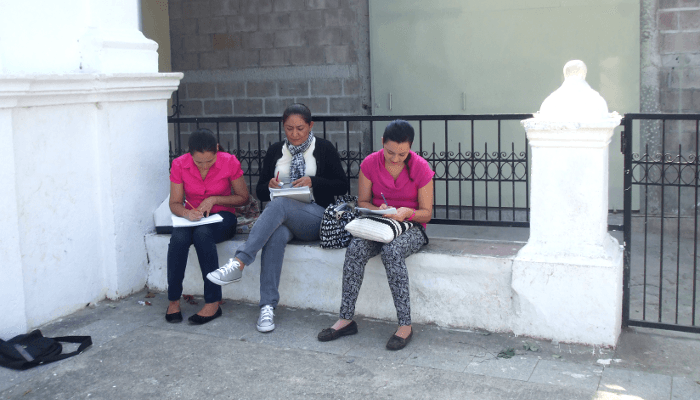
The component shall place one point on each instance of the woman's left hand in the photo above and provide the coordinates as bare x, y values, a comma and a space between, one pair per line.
303, 181
402, 214
206, 205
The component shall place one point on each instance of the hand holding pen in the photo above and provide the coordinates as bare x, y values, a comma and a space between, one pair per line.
193, 214
385, 205
275, 182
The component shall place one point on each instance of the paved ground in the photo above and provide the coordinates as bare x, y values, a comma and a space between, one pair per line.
137, 355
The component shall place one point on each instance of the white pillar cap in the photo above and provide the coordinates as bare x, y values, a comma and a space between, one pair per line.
574, 100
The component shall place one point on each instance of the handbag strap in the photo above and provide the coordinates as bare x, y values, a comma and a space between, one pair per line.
84, 341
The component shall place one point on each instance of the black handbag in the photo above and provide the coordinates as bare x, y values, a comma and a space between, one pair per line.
32, 349
337, 215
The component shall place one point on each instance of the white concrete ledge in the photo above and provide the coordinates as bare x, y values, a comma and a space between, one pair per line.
453, 283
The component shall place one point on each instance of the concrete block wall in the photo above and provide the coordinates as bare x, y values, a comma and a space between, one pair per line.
254, 57
670, 79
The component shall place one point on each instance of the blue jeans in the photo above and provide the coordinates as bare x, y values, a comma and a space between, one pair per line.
204, 238
282, 220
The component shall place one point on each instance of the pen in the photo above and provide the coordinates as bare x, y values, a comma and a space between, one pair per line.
193, 207
278, 179
387, 204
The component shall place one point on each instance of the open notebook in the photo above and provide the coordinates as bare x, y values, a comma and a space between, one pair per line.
302, 193
180, 222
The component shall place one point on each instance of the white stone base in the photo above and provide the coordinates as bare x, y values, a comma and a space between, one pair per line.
569, 299
461, 291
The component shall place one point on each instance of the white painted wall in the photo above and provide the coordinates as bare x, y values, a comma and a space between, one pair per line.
73, 36
84, 118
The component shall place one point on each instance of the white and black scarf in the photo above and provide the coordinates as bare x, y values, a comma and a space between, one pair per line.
298, 167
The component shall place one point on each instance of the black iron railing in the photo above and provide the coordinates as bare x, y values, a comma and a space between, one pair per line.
481, 161
661, 221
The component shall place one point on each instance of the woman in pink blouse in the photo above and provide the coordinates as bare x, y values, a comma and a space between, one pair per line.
406, 180
202, 182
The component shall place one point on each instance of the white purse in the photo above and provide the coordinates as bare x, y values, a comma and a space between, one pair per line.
378, 229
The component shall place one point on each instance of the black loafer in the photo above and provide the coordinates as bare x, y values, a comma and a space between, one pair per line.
174, 317
398, 343
197, 319
329, 334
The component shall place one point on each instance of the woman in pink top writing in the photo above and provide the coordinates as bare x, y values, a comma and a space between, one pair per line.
202, 182
406, 180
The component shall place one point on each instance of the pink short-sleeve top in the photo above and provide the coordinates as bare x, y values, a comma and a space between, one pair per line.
225, 170
402, 192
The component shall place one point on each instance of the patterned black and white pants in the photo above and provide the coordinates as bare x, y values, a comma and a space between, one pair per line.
394, 258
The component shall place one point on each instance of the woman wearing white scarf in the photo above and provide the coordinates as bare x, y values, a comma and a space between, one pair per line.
302, 160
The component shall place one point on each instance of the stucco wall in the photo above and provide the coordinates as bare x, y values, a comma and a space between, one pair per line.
83, 120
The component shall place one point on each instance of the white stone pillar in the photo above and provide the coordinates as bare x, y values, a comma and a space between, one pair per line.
567, 280
83, 116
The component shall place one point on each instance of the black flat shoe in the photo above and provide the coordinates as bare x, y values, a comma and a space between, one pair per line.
398, 343
197, 319
329, 334
174, 317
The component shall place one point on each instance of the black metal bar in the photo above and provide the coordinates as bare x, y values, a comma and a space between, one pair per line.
347, 151
627, 218
362, 118
505, 224
459, 177
527, 179
695, 225
663, 116
671, 327
473, 174
279, 131
420, 136
661, 235
447, 173
499, 166
646, 236
486, 183
678, 241
512, 171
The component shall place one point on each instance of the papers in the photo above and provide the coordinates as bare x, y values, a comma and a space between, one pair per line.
301, 193
180, 222
390, 210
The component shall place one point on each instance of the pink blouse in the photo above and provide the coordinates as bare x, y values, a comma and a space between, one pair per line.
225, 170
402, 192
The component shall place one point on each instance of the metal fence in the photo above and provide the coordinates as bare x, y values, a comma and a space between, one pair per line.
661, 221
480, 161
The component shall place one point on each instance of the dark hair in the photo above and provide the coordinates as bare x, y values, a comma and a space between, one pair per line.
400, 131
202, 140
297, 109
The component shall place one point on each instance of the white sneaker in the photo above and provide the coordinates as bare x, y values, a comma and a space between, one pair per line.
229, 273
266, 322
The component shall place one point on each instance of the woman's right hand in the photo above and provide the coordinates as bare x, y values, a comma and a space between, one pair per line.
274, 184
193, 215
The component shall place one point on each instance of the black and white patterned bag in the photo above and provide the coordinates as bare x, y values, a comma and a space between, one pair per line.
337, 215
378, 229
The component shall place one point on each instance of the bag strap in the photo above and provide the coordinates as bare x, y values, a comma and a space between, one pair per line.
84, 341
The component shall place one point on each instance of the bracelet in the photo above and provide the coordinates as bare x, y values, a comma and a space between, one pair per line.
412, 215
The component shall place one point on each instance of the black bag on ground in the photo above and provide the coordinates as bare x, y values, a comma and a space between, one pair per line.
32, 349
337, 215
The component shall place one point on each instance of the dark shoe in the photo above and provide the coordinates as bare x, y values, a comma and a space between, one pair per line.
197, 319
329, 334
398, 343
174, 317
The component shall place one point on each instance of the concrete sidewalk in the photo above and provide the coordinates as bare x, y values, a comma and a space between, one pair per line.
137, 355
